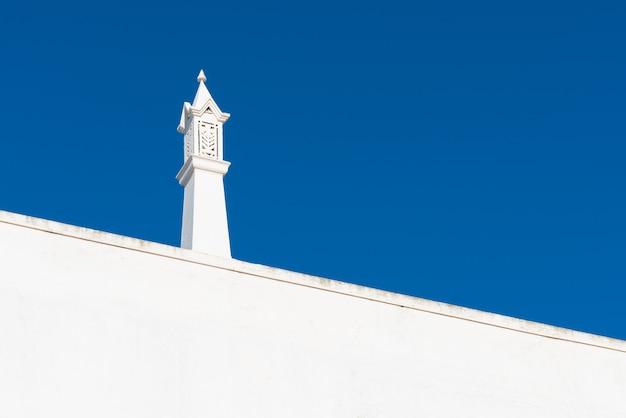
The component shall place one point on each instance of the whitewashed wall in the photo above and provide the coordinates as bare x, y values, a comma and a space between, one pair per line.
97, 325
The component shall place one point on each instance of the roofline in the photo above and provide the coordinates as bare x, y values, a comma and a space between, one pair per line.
300, 279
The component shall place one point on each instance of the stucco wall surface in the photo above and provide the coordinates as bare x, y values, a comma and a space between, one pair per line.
97, 325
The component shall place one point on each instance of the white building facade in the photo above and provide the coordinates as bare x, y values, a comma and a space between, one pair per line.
99, 325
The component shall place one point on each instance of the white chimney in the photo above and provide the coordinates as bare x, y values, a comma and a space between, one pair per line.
205, 226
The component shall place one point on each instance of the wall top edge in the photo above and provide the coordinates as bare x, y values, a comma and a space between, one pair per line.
324, 284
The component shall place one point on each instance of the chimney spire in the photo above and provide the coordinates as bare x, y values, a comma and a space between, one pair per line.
205, 226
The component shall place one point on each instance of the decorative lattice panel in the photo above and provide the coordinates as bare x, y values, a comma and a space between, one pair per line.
189, 142
208, 140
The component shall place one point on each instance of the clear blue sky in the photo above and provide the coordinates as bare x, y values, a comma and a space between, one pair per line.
466, 152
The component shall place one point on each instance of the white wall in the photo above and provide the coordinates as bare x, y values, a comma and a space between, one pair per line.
96, 325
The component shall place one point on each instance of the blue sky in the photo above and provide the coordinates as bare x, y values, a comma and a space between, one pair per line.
466, 152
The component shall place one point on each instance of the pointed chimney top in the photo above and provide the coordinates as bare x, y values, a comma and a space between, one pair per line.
202, 103
201, 77
202, 95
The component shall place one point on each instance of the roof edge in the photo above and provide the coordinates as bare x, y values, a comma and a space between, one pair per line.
301, 279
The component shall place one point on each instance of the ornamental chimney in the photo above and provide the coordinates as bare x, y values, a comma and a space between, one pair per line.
205, 226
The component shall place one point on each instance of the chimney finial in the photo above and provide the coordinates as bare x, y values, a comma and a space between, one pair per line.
201, 77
